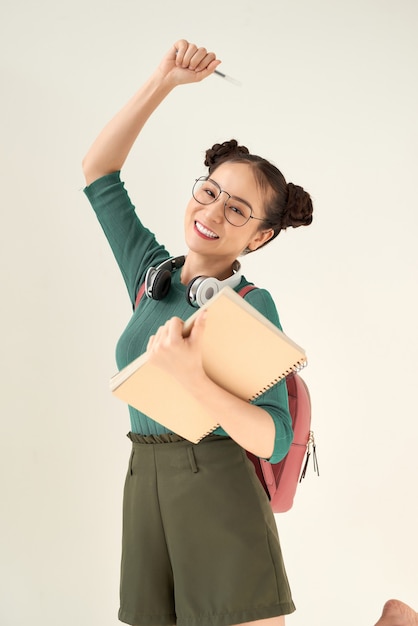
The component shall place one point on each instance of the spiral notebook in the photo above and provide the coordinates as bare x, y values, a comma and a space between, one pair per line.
243, 352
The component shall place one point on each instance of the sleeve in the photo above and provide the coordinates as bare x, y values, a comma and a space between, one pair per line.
274, 400
134, 246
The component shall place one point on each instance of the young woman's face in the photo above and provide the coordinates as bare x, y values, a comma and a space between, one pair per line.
207, 230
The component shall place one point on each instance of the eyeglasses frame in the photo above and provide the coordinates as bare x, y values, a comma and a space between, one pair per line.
251, 217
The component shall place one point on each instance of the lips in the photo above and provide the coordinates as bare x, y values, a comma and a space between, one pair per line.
205, 232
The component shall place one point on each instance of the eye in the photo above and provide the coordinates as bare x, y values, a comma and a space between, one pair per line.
210, 191
235, 209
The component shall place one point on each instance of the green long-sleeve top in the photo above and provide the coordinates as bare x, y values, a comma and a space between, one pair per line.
136, 249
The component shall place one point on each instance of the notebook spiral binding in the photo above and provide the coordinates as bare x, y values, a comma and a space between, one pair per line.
297, 367
208, 433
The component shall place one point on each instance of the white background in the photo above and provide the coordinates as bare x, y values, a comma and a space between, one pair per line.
329, 93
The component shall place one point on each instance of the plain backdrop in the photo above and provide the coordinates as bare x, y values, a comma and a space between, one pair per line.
329, 94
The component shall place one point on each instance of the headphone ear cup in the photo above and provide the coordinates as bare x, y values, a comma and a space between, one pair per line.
158, 279
201, 289
160, 284
191, 290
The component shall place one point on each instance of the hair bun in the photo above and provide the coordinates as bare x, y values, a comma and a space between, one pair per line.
222, 151
299, 207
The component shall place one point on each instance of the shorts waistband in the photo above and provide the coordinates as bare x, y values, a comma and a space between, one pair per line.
167, 438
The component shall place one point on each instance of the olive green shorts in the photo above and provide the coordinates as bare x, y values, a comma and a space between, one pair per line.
200, 543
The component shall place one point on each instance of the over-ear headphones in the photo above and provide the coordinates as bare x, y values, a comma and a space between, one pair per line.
158, 279
198, 291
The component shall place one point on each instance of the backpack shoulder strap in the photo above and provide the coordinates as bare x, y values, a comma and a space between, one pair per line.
244, 290
139, 295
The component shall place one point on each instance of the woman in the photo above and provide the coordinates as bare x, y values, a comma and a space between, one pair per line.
200, 544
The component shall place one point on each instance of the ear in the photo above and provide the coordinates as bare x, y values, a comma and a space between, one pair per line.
261, 237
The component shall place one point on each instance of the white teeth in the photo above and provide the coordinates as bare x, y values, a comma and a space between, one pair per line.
205, 231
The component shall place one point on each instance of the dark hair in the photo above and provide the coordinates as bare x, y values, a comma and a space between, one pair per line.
286, 204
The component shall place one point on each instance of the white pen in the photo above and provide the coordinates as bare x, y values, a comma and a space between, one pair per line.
229, 78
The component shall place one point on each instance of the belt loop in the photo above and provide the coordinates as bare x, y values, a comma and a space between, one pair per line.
131, 461
192, 459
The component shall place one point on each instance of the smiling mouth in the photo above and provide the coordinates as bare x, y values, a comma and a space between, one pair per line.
205, 231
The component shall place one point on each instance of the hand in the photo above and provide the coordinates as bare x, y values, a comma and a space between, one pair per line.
179, 356
186, 63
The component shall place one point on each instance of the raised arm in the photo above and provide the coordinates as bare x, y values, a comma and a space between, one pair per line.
184, 63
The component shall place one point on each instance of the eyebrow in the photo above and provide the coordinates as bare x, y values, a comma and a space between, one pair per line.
236, 197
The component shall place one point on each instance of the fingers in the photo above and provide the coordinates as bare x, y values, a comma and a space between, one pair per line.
173, 329
189, 56
199, 324
171, 333
151, 343
168, 333
196, 333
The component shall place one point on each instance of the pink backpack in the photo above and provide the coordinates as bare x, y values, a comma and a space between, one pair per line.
280, 480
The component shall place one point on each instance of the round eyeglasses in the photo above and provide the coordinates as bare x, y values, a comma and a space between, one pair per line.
236, 210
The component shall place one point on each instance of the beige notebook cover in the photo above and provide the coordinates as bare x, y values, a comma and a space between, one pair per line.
243, 352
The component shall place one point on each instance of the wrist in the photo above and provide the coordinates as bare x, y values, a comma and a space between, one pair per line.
161, 82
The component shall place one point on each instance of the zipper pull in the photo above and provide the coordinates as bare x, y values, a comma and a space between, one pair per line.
309, 445
314, 456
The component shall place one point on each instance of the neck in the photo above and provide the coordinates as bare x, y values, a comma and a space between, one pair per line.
202, 266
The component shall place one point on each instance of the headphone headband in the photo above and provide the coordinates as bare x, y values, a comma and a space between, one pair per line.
198, 291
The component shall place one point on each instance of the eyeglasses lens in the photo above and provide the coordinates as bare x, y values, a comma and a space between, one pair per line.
206, 191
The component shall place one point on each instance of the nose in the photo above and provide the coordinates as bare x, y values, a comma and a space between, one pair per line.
216, 210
